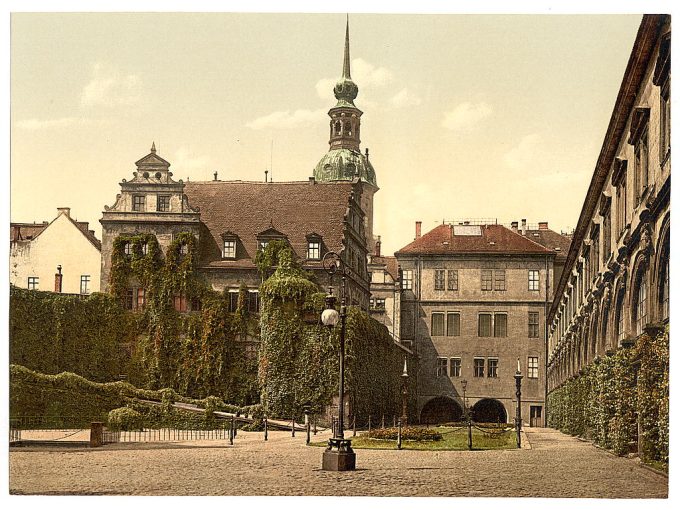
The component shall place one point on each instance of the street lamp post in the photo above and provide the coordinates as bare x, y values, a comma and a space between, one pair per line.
338, 455
404, 396
466, 414
518, 412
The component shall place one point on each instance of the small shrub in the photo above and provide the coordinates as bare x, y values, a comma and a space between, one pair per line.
124, 418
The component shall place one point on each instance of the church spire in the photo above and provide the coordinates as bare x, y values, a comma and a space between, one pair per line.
345, 65
345, 89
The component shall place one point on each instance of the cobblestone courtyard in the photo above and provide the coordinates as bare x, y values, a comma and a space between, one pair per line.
555, 466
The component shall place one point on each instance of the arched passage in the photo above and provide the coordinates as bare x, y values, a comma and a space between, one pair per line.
441, 410
489, 410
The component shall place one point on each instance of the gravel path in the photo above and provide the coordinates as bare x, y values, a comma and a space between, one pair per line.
556, 465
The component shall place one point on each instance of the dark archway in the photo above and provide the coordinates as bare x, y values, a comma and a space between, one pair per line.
489, 410
441, 410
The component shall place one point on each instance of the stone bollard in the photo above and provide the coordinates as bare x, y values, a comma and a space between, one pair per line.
96, 434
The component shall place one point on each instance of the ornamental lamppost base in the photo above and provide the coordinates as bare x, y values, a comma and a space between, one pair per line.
339, 455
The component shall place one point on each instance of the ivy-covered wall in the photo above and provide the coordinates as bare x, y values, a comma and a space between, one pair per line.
70, 395
298, 360
615, 394
51, 333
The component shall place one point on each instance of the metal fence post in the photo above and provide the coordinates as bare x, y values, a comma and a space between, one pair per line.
309, 432
383, 421
231, 431
265, 428
399, 436
315, 426
354, 426
469, 424
369, 424
292, 428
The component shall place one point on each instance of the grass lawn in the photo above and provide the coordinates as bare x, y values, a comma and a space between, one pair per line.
452, 439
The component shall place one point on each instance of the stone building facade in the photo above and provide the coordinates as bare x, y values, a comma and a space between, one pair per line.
60, 256
473, 304
385, 303
615, 282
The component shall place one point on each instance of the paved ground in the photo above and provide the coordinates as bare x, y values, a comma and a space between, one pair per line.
555, 466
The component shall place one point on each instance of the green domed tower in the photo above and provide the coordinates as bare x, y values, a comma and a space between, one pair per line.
344, 160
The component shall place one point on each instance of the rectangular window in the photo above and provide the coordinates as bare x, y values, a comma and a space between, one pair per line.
145, 248
455, 367
139, 203
532, 367
453, 279
407, 279
180, 302
33, 282
484, 324
127, 248
499, 279
196, 305
453, 324
533, 279
129, 299
163, 203
441, 367
229, 249
141, 299
85, 284
641, 165
233, 301
665, 117
595, 252
500, 325
492, 370
439, 276
533, 324
314, 250
253, 301
487, 279
621, 205
478, 367
606, 236
437, 324
380, 303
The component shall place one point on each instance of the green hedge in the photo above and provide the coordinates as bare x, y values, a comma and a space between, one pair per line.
67, 394
609, 398
53, 333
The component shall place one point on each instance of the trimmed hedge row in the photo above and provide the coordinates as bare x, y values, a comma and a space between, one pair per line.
67, 394
614, 395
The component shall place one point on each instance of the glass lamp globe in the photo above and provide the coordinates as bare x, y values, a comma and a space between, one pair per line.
330, 317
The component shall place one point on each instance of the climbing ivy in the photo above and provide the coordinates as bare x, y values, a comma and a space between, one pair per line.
298, 358
611, 396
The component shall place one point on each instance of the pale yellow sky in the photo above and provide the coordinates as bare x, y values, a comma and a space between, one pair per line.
464, 115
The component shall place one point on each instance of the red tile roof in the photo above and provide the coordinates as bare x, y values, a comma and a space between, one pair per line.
551, 240
493, 239
245, 209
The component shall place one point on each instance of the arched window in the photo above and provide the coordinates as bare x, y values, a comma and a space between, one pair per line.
337, 127
640, 308
348, 128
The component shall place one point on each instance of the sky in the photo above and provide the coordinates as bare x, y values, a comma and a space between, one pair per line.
465, 116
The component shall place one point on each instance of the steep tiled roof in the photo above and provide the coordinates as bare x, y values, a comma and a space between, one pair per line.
245, 209
493, 239
390, 263
84, 227
551, 240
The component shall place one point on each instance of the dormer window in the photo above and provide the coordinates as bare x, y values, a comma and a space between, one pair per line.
313, 246
138, 203
262, 245
271, 234
229, 249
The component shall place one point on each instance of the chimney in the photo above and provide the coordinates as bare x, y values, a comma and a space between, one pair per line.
514, 226
542, 225
524, 226
58, 277
419, 225
64, 210
377, 247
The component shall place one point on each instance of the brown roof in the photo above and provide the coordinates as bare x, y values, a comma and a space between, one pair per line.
245, 209
390, 263
493, 239
25, 231
552, 240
